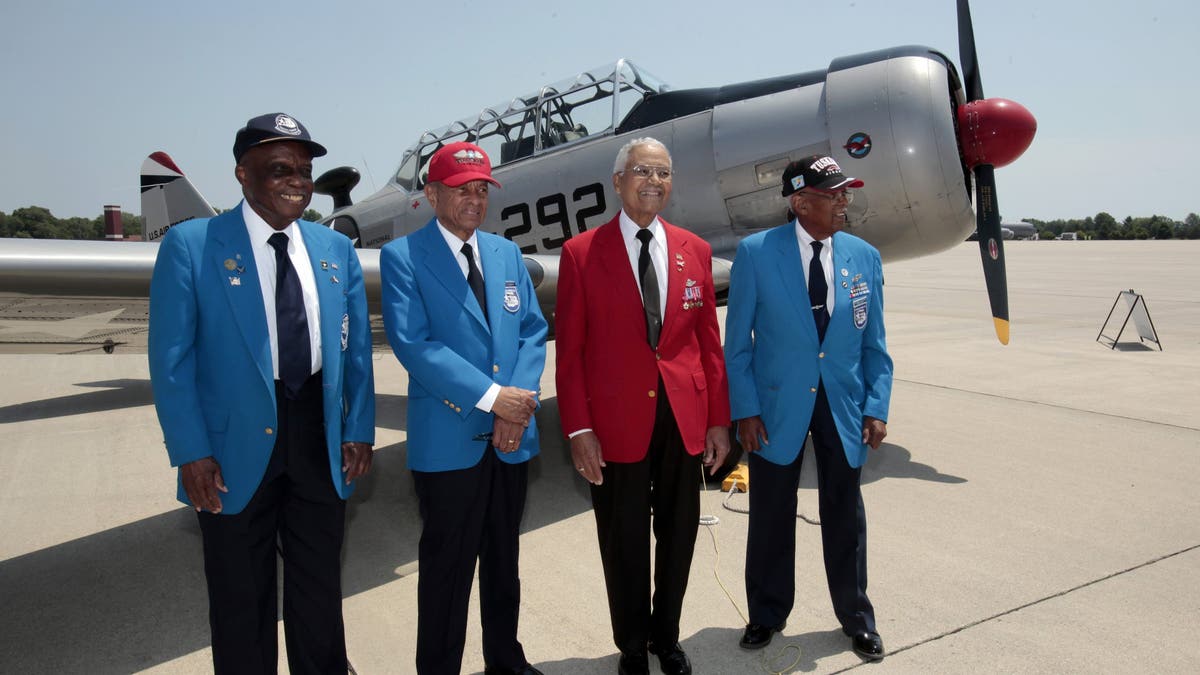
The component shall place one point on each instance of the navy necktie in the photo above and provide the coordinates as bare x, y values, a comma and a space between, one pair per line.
475, 278
291, 321
649, 281
818, 291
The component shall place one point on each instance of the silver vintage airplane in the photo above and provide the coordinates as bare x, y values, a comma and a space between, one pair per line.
923, 138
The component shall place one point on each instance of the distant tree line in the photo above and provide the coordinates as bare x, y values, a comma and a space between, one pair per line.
1104, 226
36, 222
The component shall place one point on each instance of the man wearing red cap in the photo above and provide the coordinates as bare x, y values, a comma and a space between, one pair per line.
460, 313
805, 350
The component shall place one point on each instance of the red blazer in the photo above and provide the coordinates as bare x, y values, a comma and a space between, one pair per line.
607, 375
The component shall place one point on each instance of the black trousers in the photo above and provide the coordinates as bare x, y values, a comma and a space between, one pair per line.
771, 540
469, 514
296, 506
663, 488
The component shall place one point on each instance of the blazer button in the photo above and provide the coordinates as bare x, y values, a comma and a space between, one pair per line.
495, 368
812, 389
268, 431
457, 409
651, 393
821, 355
657, 356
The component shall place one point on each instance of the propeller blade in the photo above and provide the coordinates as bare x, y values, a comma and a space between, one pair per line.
966, 54
991, 247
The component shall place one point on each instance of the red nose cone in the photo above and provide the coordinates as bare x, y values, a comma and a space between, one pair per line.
994, 131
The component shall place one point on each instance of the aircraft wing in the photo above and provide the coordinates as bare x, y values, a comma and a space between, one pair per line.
90, 296
74, 296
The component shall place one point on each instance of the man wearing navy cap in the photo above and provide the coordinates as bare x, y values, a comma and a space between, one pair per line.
460, 313
806, 356
260, 360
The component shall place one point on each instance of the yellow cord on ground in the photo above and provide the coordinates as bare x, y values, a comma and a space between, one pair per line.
763, 661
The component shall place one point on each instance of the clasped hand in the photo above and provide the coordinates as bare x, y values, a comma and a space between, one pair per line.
513, 410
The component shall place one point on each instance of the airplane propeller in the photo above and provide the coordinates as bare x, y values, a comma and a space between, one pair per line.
993, 132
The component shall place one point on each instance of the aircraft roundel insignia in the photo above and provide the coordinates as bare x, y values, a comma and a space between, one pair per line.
858, 145
993, 249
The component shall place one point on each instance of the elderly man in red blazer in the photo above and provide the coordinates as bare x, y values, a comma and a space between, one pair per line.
643, 398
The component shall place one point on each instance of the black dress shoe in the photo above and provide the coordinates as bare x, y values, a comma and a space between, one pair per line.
868, 645
633, 663
526, 669
672, 659
758, 636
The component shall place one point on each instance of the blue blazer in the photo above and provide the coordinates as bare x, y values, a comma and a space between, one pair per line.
772, 354
452, 355
210, 357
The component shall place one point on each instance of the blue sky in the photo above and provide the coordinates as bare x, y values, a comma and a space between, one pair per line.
91, 88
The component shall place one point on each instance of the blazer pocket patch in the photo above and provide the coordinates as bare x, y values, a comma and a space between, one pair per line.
512, 299
859, 305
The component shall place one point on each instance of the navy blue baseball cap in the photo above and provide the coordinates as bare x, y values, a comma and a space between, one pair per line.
273, 127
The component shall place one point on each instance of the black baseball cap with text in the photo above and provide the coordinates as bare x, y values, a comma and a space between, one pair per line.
816, 171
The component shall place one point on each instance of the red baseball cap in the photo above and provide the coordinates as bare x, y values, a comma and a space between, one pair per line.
458, 163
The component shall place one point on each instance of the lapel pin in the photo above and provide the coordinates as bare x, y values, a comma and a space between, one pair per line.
333, 279
230, 265
844, 284
845, 273
333, 265
235, 281
324, 265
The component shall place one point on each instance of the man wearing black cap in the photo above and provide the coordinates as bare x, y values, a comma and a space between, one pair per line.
806, 355
461, 314
260, 360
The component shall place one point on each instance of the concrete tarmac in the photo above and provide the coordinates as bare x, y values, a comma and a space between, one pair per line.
1034, 508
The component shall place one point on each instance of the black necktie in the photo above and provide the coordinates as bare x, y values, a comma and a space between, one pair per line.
474, 278
818, 291
649, 279
291, 321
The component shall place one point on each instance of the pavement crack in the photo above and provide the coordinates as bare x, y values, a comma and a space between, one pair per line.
1048, 405
1031, 603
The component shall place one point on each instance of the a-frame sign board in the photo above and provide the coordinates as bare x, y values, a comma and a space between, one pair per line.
1134, 308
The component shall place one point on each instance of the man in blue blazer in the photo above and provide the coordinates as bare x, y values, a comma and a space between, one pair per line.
806, 355
260, 359
461, 315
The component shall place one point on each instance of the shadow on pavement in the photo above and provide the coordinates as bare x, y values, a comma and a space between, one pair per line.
133, 596
115, 395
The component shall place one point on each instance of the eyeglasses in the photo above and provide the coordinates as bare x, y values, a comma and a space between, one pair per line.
831, 196
663, 173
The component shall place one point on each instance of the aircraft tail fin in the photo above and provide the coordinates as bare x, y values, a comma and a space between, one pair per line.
168, 197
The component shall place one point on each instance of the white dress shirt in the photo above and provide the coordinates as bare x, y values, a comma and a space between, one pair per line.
658, 256
806, 255
488, 399
264, 262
